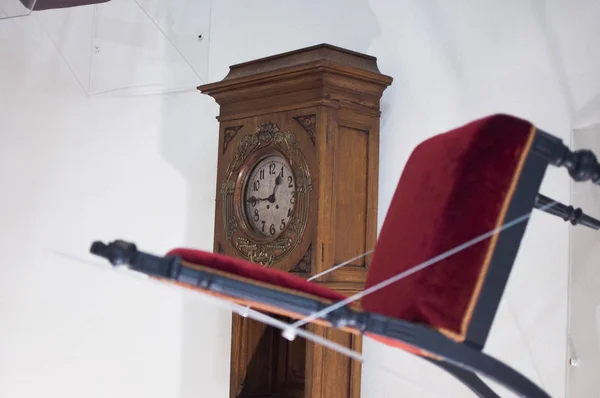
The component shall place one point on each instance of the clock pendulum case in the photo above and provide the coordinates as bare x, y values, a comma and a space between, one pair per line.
297, 183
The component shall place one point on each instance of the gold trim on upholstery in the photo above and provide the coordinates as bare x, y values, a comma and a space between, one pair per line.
460, 337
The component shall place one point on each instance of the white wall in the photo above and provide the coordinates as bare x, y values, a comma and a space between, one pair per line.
584, 295
76, 169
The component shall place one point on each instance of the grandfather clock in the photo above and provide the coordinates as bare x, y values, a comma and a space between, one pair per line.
297, 190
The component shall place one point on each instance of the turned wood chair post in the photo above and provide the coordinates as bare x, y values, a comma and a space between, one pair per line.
582, 164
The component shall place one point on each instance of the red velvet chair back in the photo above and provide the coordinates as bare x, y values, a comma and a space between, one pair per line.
455, 187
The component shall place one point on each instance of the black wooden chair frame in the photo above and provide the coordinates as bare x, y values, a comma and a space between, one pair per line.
463, 360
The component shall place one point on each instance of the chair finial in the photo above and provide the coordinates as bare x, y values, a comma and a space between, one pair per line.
582, 164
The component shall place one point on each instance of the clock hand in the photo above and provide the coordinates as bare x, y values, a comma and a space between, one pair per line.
253, 199
271, 197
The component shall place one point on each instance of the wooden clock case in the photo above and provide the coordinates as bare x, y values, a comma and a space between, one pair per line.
325, 100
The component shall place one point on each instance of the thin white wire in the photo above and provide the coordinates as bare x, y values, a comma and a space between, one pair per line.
339, 266
246, 312
260, 317
331, 269
242, 310
290, 332
276, 323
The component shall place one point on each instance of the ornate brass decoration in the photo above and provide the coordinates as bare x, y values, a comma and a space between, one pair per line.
304, 266
267, 139
230, 133
262, 253
308, 122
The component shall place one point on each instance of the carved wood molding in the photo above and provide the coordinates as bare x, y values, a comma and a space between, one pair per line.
308, 123
304, 266
229, 134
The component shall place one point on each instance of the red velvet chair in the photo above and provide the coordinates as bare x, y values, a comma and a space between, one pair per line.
459, 213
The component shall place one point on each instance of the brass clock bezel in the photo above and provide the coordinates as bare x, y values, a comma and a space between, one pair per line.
240, 190
267, 139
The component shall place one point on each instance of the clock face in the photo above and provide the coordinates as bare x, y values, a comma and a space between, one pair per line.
270, 196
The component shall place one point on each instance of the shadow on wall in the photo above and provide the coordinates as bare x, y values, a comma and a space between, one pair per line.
189, 143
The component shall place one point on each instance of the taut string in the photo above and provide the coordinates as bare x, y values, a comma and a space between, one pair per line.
252, 314
290, 333
339, 265
276, 323
244, 314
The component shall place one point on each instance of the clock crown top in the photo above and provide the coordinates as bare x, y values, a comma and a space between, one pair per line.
324, 74
321, 52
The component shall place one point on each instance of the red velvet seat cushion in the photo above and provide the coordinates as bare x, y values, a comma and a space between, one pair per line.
245, 269
252, 273
454, 187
